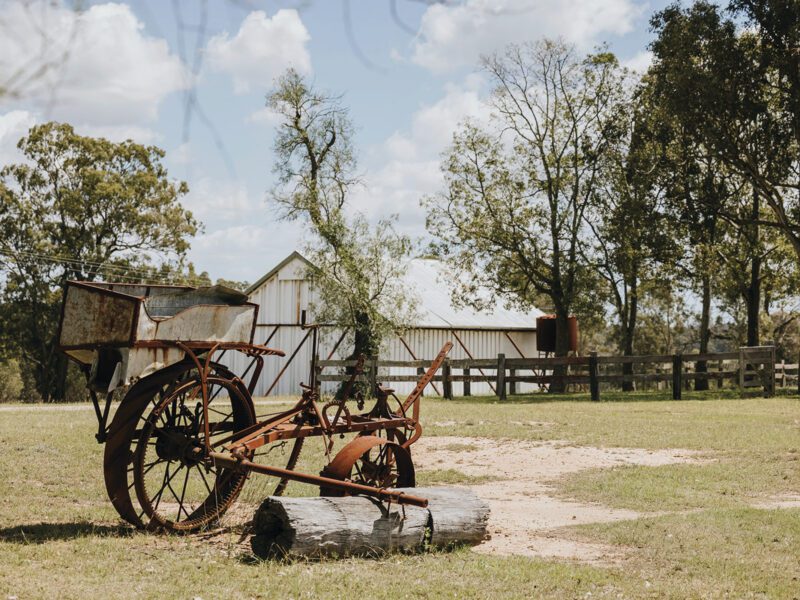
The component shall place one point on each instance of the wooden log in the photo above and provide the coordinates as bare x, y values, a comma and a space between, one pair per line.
361, 526
458, 516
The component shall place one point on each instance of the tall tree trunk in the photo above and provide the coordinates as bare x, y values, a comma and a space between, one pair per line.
365, 343
701, 384
753, 297
628, 332
753, 292
59, 392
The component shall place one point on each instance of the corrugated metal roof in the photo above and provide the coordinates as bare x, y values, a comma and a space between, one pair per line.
429, 278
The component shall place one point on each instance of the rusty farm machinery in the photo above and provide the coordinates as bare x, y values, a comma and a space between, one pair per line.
185, 437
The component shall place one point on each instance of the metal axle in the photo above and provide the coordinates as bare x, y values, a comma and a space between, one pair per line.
232, 462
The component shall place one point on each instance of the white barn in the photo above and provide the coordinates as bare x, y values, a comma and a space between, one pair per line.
283, 295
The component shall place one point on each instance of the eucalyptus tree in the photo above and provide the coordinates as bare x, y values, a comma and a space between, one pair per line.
511, 217
634, 242
738, 91
357, 267
78, 208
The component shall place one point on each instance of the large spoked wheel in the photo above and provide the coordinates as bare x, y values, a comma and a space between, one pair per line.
178, 487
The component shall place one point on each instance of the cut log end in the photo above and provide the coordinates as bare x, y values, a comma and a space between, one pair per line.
361, 526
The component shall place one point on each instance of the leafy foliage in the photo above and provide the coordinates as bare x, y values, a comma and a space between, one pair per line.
356, 267
79, 208
517, 194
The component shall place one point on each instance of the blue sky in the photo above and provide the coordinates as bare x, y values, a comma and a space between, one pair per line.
408, 78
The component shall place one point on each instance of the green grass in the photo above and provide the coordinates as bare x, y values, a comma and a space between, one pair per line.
716, 553
721, 425
60, 537
728, 482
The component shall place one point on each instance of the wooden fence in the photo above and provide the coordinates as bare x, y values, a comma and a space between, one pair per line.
751, 369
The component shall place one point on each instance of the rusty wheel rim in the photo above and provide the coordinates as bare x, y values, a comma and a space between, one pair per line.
125, 428
177, 487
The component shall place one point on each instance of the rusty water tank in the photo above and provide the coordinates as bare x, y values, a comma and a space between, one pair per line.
546, 333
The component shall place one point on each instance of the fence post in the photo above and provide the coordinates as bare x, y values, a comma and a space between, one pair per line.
719, 377
783, 373
742, 365
447, 382
512, 385
594, 384
373, 375
467, 389
769, 389
420, 373
677, 376
687, 383
501, 376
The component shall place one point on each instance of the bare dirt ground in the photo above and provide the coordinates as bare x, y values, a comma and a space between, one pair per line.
527, 518
789, 501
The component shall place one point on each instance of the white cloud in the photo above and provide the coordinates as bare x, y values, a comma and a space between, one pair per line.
261, 50
214, 200
99, 67
640, 62
13, 126
182, 155
410, 159
120, 133
264, 116
244, 252
453, 35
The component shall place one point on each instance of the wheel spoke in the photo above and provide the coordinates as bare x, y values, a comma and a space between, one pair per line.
174, 428
358, 469
203, 477
183, 495
157, 497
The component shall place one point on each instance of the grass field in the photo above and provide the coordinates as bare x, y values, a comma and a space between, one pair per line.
705, 536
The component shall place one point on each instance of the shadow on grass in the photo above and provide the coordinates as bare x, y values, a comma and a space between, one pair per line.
40, 533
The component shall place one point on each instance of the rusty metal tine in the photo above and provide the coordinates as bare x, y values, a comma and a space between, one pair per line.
426, 378
411, 352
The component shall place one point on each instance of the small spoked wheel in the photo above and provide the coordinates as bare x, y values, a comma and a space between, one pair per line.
376, 468
177, 485
373, 461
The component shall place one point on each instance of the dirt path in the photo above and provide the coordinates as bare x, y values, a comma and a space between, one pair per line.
526, 515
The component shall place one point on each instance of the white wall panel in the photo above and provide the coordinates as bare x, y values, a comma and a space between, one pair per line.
283, 297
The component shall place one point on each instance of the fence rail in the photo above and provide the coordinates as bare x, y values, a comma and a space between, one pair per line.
749, 369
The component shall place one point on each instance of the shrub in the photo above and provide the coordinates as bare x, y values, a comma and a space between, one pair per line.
10, 381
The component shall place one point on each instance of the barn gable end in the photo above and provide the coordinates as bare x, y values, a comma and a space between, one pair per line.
283, 294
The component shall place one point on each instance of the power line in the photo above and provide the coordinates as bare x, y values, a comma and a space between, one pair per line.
121, 272
60, 259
